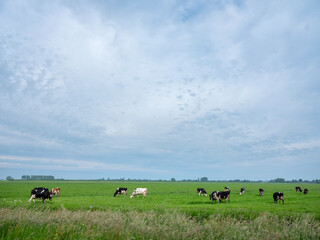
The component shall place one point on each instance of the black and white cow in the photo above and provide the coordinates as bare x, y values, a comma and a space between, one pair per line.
121, 190
40, 193
226, 189
298, 189
278, 196
201, 191
305, 191
224, 195
214, 197
261, 191
242, 190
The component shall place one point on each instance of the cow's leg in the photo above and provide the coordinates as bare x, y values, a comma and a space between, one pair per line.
32, 197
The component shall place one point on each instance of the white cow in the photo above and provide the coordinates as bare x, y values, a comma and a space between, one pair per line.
139, 191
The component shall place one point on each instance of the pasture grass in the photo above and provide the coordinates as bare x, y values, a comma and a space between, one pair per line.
172, 210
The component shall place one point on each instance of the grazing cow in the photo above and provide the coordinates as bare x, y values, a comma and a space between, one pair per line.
242, 190
278, 196
139, 191
201, 191
214, 197
305, 191
298, 189
224, 195
55, 191
261, 191
40, 193
121, 190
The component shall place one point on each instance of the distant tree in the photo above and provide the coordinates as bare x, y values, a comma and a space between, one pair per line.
300, 180
173, 179
25, 177
9, 178
204, 179
279, 180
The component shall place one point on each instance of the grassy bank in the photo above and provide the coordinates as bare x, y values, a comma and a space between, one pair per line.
21, 223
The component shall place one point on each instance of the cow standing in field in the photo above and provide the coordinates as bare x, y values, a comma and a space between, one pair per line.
201, 191
40, 193
214, 197
242, 190
224, 195
298, 189
139, 191
121, 190
55, 191
261, 191
305, 191
278, 196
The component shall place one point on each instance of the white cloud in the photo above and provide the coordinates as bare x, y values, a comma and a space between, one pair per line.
68, 164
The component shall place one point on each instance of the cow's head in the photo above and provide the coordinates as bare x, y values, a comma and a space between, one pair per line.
133, 194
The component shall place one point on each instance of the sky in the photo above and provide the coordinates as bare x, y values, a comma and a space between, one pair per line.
160, 89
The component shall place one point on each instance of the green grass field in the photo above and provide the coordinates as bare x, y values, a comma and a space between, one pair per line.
164, 199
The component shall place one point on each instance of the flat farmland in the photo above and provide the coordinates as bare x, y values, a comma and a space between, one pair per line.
165, 200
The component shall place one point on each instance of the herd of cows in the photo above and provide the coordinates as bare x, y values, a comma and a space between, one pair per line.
44, 193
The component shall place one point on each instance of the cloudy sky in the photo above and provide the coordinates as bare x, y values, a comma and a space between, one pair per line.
160, 89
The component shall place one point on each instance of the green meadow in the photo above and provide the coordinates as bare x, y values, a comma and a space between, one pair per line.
172, 210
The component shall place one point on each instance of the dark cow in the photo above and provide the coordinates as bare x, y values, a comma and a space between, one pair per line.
214, 197
242, 190
305, 191
121, 190
278, 196
201, 191
261, 191
40, 193
298, 189
224, 195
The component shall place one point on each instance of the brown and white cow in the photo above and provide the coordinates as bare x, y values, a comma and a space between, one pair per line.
55, 191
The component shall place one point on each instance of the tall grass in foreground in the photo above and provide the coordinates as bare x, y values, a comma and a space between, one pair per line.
21, 223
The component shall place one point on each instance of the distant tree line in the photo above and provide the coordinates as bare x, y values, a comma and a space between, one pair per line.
203, 179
